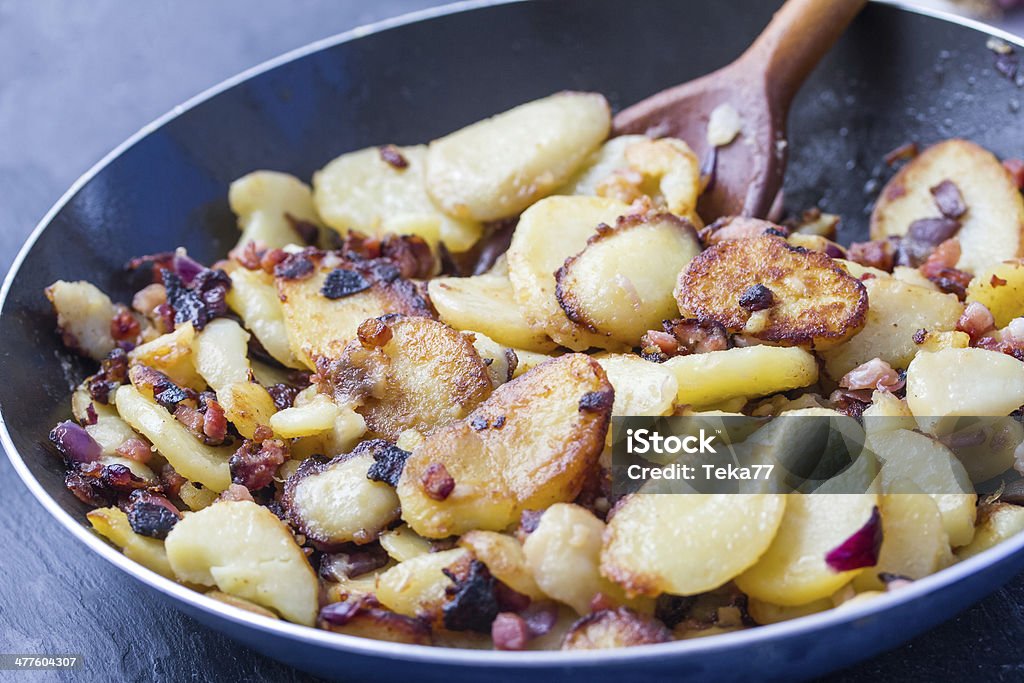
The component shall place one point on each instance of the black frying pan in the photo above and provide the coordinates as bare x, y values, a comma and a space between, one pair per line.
895, 77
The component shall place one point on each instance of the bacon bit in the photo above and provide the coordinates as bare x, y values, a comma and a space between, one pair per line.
904, 152
262, 433
689, 336
509, 631
976, 320
298, 266
392, 157
849, 402
91, 417
436, 481
875, 374
215, 424
190, 417
271, 259
235, 492
920, 335
113, 373
663, 342
600, 601
996, 281
124, 326
1015, 167
135, 449
411, 254
164, 315
940, 269
248, 255
948, 199
373, 333
170, 480
879, 254
253, 465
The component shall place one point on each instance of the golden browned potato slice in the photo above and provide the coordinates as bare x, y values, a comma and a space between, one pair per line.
372, 191
504, 557
171, 354
531, 444
83, 317
112, 523
896, 312
611, 157
996, 523
423, 376
620, 285
320, 326
497, 167
244, 550
793, 571
253, 296
382, 624
1001, 288
992, 226
774, 292
548, 233
687, 544
269, 205
609, 628
416, 587
485, 303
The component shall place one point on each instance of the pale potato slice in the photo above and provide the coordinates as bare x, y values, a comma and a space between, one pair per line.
620, 285
1000, 287
221, 353
768, 613
991, 228
314, 417
335, 502
972, 382
914, 542
996, 523
112, 523
528, 360
245, 550
501, 361
774, 292
608, 159
403, 544
497, 167
548, 233
913, 276
253, 296
189, 457
687, 544
485, 303
564, 553
263, 202
241, 603
171, 354
614, 628
416, 588
423, 376
641, 387
505, 559
83, 317
361, 191
247, 405
705, 379
321, 327
196, 498
528, 446
896, 311
793, 570
858, 270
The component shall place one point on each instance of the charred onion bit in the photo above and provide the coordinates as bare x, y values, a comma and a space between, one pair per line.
151, 514
296, 266
283, 395
436, 481
342, 282
113, 373
388, 461
253, 465
352, 563
74, 443
307, 231
596, 401
340, 613
948, 199
879, 254
101, 485
473, 605
673, 609
199, 302
411, 254
365, 610
757, 298
530, 520
860, 549
165, 391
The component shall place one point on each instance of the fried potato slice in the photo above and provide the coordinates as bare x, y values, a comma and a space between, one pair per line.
83, 317
608, 159
687, 544
914, 543
669, 173
253, 296
896, 311
620, 285
506, 560
486, 303
548, 233
416, 587
609, 628
1001, 288
269, 205
774, 292
991, 229
112, 523
171, 354
244, 550
363, 191
996, 523
528, 446
707, 379
793, 570
641, 387
322, 327
497, 167
423, 376
964, 382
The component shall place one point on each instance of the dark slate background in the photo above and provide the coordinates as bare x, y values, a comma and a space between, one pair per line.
76, 78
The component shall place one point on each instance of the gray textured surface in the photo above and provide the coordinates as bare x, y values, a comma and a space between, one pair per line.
76, 78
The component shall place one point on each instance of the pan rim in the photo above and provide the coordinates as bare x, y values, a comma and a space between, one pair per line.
342, 643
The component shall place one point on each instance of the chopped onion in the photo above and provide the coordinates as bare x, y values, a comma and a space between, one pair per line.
74, 443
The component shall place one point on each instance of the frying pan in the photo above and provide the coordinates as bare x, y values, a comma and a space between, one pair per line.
897, 76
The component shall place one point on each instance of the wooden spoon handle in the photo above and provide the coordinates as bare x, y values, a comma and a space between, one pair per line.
799, 35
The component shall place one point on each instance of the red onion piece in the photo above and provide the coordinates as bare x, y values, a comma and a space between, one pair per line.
186, 267
74, 443
860, 549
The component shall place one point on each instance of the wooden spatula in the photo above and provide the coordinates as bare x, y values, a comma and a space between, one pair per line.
746, 175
